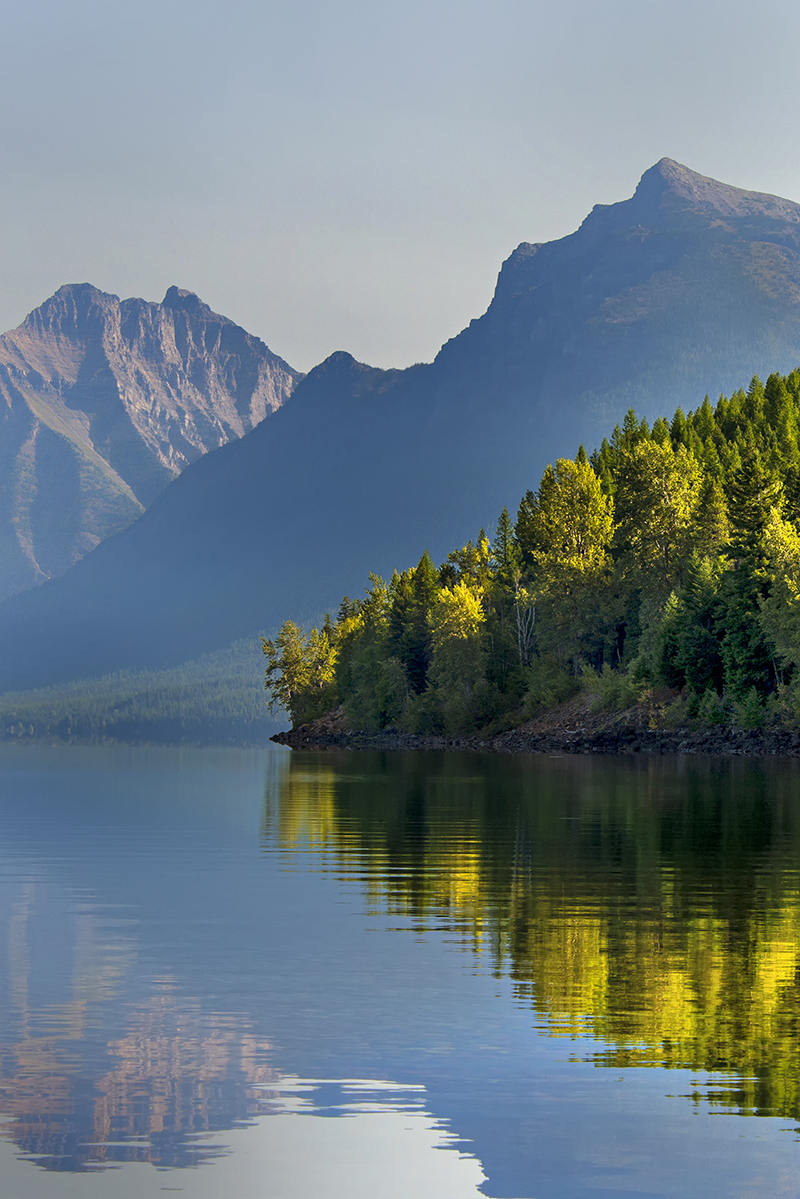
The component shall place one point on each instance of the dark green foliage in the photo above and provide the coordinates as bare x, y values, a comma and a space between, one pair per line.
691, 652
409, 620
753, 491
366, 672
505, 554
791, 494
749, 712
503, 652
700, 649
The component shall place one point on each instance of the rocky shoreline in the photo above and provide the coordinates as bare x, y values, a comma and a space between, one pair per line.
572, 729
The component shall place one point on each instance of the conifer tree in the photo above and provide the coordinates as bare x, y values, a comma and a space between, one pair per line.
703, 422
660, 433
505, 553
700, 636
678, 429
753, 493
411, 621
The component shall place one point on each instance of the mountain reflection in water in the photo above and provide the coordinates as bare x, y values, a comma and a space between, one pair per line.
202, 948
176, 1071
653, 908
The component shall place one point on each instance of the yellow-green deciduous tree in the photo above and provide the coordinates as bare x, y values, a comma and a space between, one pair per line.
457, 666
567, 527
658, 490
780, 611
300, 673
565, 533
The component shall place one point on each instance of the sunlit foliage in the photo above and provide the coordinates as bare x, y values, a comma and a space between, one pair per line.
669, 557
655, 913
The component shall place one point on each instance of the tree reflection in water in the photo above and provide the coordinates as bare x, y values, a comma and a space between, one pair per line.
651, 905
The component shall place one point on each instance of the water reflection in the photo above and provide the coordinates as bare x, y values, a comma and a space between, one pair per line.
107, 1059
195, 950
651, 906
387, 1145
79, 1100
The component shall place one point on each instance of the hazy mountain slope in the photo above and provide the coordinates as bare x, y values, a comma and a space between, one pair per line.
105, 402
688, 287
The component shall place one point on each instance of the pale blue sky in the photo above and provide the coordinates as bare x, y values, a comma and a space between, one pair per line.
350, 175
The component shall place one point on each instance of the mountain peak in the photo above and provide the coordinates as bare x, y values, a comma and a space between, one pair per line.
686, 288
104, 402
340, 374
177, 298
82, 289
672, 179
72, 307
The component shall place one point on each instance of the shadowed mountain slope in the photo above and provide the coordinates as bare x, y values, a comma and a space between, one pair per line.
689, 287
102, 403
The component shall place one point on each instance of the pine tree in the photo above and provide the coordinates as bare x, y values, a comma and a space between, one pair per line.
753, 492
700, 636
704, 420
506, 558
409, 620
791, 495
660, 433
711, 518
678, 429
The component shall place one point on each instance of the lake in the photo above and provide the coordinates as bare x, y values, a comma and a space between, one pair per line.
284, 975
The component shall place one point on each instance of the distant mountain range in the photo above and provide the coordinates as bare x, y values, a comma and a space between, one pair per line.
689, 287
106, 401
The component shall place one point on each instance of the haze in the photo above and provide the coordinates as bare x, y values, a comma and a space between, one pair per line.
351, 175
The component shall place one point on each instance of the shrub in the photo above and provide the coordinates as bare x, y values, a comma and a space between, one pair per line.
712, 709
549, 683
749, 712
614, 689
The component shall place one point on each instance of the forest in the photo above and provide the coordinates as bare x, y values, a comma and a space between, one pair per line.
212, 700
666, 561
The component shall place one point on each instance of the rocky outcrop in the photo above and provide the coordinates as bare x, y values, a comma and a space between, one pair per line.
102, 403
574, 728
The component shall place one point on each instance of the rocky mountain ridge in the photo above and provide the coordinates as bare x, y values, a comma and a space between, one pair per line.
102, 403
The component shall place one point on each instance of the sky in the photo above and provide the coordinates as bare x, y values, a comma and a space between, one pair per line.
351, 175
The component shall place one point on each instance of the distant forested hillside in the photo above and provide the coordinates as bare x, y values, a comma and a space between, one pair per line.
669, 558
213, 700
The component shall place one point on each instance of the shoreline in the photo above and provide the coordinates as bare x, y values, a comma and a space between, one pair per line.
571, 729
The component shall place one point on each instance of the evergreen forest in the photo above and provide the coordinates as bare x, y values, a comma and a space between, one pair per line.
667, 561
213, 700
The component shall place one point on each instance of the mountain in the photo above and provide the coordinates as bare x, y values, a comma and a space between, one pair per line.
105, 402
688, 287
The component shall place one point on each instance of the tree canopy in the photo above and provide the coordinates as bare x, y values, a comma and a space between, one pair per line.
670, 557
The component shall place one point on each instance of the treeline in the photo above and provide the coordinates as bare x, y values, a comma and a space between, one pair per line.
212, 700
669, 558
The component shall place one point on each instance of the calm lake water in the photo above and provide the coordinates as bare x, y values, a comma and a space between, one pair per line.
276, 976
